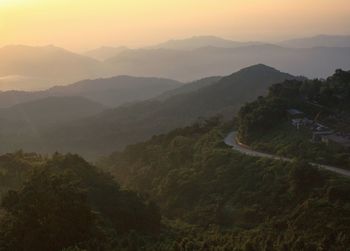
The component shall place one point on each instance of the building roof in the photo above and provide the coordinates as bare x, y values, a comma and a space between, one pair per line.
323, 133
342, 140
294, 112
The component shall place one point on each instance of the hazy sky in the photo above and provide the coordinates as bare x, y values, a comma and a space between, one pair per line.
84, 24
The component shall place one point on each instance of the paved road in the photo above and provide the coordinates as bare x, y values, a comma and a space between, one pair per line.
230, 140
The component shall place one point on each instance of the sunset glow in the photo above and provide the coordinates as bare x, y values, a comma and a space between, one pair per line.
86, 24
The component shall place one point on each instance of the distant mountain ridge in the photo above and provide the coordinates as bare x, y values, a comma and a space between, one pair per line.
41, 67
190, 87
51, 110
319, 41
200, 41
105, 52
215, 61
22, 126
108, 91
186, 60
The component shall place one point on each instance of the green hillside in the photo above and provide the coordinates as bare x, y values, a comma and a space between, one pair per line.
185, 189
214, 198
64, 202
323, 134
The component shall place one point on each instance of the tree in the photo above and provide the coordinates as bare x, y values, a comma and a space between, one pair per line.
50, 212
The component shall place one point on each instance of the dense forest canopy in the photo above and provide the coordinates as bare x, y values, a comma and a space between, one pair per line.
230, 135
265, 124
63, 201
186, 190
232, 201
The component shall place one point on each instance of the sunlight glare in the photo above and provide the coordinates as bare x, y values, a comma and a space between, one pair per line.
10, 2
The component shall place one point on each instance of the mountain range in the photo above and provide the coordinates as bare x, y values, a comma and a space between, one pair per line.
33, 68
30, 68
318, 41
199, 42
105, 52
107, 91
212, 41
50, 111
212, 61
115, 128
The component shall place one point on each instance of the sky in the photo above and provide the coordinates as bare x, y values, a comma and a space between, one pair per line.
85, 24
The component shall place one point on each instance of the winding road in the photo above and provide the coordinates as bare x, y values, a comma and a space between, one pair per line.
231, 140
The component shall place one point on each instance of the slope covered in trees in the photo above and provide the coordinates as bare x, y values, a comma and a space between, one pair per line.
266, 125
63, 201
215, 198
208, 197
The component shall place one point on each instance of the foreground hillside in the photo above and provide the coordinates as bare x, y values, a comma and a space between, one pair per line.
64, 203
190, 192
222, 199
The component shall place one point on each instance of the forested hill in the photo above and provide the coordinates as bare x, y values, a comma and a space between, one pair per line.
64, 203
320, 134
116, 128
183, 190
222, 199
209, 198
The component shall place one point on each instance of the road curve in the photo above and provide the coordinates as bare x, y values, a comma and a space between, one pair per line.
231, 140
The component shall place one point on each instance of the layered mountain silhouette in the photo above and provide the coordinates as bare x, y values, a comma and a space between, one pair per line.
108, 91
22, 125
115, 128
189, 87
30, 68
199, 42
318, 41
105, 52
26, 67
186, 65
51, 111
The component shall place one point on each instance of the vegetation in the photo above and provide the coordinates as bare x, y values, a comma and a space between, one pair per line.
264, 123
64, 202
210, 198
186, 190
213, 198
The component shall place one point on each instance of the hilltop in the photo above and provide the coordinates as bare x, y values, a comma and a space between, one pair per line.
116, 128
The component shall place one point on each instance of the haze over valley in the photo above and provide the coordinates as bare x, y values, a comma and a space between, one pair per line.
35, 68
